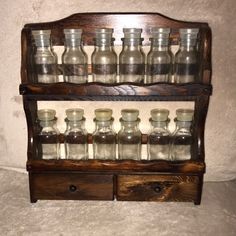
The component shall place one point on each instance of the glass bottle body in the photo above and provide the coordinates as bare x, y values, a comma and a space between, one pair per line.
104, 141
132, 61
159, 141
76, 145
186, 64
159, 63
74, 60
45, 64
129, 140
48, 141
182, 141
104, 63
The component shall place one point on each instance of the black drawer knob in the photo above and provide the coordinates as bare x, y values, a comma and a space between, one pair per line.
157, 189
72, 188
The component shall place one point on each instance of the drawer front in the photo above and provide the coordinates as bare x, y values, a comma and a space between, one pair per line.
157, 188
71, 186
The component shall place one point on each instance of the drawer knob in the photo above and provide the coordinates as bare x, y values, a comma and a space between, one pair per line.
72, 188
157, 189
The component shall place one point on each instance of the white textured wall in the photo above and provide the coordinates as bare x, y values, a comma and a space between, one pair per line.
220, 14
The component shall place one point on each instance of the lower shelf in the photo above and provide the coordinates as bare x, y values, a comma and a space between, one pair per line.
124, 180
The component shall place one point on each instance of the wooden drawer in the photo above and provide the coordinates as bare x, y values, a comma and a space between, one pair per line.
71, 186
157, 188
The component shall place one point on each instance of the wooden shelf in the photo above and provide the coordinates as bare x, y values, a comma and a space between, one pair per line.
121, 166
115, 92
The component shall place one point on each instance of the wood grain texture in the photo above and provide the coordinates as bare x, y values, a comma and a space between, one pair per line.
71, 186
99, 91
117, 166
157, 188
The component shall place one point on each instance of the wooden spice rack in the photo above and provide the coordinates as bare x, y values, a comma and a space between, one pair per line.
121, 179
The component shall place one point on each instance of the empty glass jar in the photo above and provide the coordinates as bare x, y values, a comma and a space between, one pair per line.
104, 137
186, 61
182, 140
45, 60
74, 59
159, 58
132, 57
104, 58
76, 145
129, 137
48, 136
159, 137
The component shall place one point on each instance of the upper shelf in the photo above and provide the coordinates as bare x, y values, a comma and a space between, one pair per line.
114, 92
88, 22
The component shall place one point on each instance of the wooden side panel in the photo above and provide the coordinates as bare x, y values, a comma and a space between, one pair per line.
157, 188
71, 186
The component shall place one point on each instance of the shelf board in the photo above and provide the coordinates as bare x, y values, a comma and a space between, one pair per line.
115, 92
120, 166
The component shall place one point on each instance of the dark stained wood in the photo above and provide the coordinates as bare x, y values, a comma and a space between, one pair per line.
201, 108
30, 108
157, 188
126, 179
99, 91
118, 166
72, 186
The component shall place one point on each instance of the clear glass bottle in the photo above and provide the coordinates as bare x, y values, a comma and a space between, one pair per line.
159, 137
74, 59
129, 136
45, 60
132, 57
104, 137
48, 136
182, 140
186, 61
76, 145
104, 58
159, 58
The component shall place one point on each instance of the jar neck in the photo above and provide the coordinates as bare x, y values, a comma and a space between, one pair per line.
104, 126
187, 44
103, 48
43, 48
47, 123
72, 43
76, 124
129, 125
159, 124
183, 124
132, 43
159, 44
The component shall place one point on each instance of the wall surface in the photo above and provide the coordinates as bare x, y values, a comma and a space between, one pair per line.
220, 14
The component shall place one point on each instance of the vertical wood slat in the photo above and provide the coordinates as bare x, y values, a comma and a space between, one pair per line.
30, 108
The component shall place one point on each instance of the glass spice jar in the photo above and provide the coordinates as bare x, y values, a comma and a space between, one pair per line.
74, 59
48, 136
104, 58
129, 136
104, 137
45, 59
76, 145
